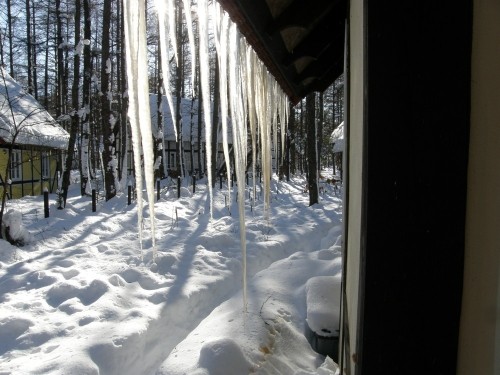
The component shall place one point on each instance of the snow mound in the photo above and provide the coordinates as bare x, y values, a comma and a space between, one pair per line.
323, 311
223, 356
13, 230
269, 338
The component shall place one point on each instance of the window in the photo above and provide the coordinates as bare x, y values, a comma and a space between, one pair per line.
45, 165
16, 165
171, 161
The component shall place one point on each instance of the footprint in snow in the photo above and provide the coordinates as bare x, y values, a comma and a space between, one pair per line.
10, 330
87, 295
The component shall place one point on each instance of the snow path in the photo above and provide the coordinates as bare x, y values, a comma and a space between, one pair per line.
80, 300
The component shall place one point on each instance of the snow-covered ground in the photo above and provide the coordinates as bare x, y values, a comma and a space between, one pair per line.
82, 299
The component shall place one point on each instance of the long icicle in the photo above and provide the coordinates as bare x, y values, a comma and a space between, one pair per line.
189, 24
250, 61
221, 45
132, 9
170, 13
205, 88
165, 66
135, 38
239, 140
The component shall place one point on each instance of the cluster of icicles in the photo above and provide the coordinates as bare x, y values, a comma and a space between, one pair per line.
249, 95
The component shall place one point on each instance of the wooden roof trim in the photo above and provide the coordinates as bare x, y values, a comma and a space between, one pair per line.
236, 14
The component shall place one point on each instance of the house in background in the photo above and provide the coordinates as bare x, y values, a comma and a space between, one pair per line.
191, 146
34, 139
337, 140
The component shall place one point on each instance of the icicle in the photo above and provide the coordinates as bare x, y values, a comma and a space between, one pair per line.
274, 120
165, 66
205, 88
140, 120
189, 24
283, 115
250, 62
222, 53
263, 99
239, 139
171, 27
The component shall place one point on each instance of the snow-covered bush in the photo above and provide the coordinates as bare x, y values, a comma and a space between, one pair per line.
12, 229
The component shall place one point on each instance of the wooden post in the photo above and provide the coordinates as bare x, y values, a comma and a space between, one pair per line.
194, 183
158, 190
46, 202
94, 200
129, 194
220, 180
178, 187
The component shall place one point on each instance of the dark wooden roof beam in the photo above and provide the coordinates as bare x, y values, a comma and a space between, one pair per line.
320, 84
318, 41
301, 13
317, 68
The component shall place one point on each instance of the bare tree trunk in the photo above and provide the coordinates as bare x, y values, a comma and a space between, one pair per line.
312, 183
46, 69
159, 152
61, 89
320, 131
34, 53
86, 87
191, 139
215, 122
200, 124
123, 98
11, 49
75, 118
292, 150
178, 94
29, 47
106, 115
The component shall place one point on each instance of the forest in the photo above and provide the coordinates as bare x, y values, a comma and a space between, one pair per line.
70, 56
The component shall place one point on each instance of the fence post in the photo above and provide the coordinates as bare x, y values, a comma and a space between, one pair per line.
220, 181
94, 200
194, 184
178, 187
129, 195
157, 189
46, 202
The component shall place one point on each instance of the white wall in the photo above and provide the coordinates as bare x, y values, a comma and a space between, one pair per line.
355, 172
479, 346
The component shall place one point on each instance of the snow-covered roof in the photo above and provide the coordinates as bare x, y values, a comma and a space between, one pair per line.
337, 138
189, 115
23, 118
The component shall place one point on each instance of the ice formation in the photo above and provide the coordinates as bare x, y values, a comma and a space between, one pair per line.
139, 115
248, 93
165, 29
205, 88
221, 20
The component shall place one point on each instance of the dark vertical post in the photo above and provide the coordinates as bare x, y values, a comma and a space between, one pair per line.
129, 194
94, 200
178, 186
46, 203
246, 177
158, 189
220, 180
194, 183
